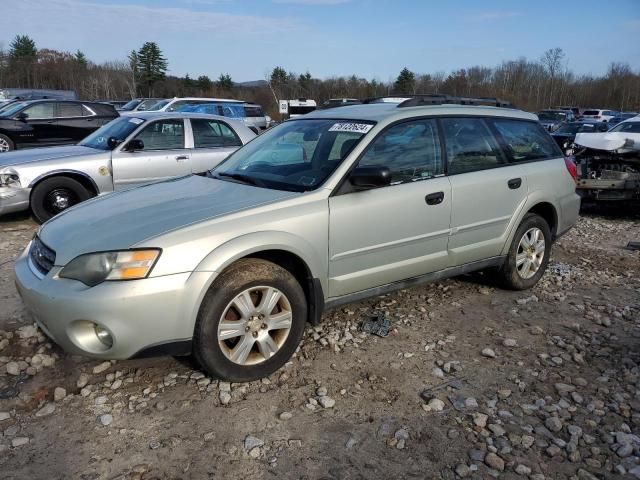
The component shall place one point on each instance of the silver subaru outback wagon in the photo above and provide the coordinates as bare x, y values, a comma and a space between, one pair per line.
324, 210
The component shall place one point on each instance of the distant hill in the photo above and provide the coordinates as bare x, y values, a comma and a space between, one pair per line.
252, 84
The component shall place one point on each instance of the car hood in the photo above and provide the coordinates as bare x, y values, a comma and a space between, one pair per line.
21, 157
122, 220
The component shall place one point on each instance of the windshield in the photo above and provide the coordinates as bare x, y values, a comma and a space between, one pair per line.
120, 129
552, 116
628, 127
296, 155
13, 108
157, 106
592, 113
131, 104
572, 128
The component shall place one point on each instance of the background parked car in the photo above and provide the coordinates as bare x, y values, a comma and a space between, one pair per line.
125, 153
601, 115
621, 117
566, 133
552, 119
251, 115
40, 123
139, 104
175, 104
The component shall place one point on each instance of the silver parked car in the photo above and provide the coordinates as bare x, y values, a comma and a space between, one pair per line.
127, 152
331, 208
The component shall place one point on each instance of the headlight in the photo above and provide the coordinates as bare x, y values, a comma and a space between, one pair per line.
9, 180
95, 268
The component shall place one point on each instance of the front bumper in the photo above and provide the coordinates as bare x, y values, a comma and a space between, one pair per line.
14, 199
139, 314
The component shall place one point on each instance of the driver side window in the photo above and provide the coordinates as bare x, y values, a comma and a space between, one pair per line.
163, 135
410, 150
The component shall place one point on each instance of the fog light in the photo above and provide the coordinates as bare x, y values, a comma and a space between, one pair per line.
104, 336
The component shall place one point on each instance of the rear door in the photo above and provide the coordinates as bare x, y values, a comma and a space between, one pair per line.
487, 190
392, 233
164, 155
213, 141
71, 122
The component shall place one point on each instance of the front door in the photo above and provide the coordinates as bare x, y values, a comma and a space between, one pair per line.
163, 156
41, 116
397, 232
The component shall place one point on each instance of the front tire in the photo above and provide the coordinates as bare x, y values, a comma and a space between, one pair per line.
250, 322
528, 254
6, 144
54, 195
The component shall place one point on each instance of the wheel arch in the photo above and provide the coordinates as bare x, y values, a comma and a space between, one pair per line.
539, 204
283, 249
84, 179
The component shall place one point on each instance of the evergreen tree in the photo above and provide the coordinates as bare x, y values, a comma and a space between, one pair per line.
151, 65
406, 81
23, 48
304, 80
204, 83
80, 57
224, 82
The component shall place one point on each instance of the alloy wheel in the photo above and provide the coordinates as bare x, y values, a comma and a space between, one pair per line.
4, 145
530, 253
255, 325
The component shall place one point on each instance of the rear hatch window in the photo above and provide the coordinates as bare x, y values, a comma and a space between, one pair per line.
253, 111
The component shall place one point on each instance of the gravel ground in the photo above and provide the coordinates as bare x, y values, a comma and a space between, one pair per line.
473, 382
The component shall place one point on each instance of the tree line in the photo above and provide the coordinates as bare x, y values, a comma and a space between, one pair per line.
529, 84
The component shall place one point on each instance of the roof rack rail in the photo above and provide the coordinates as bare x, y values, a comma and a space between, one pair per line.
418, 100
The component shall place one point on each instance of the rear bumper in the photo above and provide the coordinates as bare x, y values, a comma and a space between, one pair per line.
14, 199
569, 213
140, 315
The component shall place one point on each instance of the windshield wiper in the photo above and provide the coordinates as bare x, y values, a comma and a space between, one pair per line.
240, 177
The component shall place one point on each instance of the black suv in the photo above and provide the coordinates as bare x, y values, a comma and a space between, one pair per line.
40, 123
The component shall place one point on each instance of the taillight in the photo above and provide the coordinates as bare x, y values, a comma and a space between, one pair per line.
571, 168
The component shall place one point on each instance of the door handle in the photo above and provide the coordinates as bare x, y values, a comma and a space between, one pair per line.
181, 158
49, 121
434, 198
514, 183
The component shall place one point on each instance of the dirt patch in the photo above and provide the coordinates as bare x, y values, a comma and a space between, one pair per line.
472, 382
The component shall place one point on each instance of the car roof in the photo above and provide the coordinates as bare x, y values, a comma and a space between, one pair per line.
378, 112
153, 115
205, 99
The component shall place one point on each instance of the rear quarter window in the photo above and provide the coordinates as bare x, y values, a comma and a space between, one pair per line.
526, 141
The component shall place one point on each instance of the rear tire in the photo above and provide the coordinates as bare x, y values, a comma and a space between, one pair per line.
250, 322
6, 144
54, 195
528, 254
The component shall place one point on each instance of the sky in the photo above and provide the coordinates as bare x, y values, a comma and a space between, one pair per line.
369, 38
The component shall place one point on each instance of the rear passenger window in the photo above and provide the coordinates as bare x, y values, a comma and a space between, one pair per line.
67, 110
470, 145
527, 140
410, 150
211, 134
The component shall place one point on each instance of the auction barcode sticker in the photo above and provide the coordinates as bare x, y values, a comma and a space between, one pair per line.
351, 127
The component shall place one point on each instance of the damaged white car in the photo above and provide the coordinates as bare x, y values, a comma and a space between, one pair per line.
609, 163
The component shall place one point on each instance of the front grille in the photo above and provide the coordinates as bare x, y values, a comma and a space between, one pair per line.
42, 257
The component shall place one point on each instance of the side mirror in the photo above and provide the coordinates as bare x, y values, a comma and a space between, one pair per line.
21, 117
370, 177
135, 144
